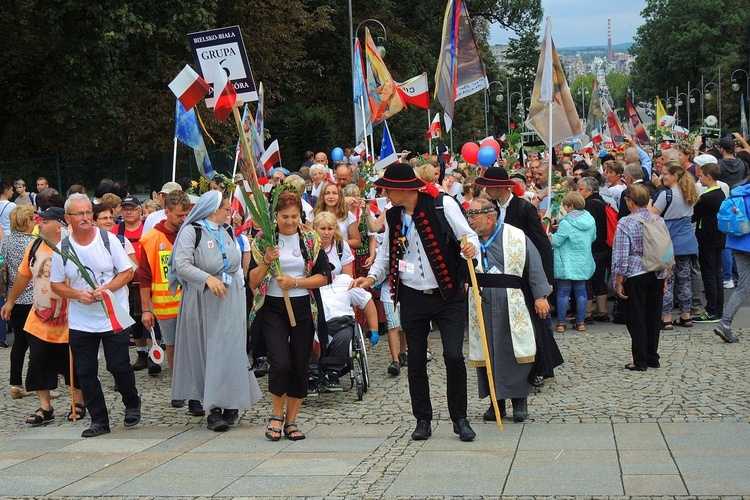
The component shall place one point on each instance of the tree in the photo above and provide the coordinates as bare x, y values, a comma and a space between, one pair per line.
585, 82
618, 85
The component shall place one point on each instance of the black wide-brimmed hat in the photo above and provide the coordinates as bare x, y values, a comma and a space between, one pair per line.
495, 177
400, 176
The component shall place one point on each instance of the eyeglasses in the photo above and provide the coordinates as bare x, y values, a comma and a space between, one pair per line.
104, 218
130, 208
87, 213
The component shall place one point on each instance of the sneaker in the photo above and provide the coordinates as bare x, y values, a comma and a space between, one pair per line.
312, 391
154, 369
729, 284
142, 362
429, 355
403, 359
332, 384
195, 408
4, 344
706, 318
261, 367
177, 403
726, 333
394, 368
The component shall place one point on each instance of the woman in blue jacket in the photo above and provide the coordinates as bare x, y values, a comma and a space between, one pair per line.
574, 263
740, 246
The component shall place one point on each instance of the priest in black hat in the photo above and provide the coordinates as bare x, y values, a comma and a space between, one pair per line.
517, 212
421, 258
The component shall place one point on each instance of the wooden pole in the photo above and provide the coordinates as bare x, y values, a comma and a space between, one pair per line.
483, 333
72, 385
256, 188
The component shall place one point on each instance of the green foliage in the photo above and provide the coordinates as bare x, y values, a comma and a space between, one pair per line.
618, 88
89, 79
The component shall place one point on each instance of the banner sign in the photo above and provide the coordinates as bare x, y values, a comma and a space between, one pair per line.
223, 47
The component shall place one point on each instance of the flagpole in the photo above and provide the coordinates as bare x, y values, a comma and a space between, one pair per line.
174, 160
236, 160
429, 124
549, 168
364, 123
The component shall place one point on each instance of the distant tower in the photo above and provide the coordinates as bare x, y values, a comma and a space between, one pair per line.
610, 55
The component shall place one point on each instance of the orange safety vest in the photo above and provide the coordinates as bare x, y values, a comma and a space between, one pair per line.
158, 249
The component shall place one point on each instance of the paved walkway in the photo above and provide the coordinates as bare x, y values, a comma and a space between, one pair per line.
596, 430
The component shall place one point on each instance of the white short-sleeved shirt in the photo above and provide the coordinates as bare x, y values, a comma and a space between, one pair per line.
345, 223
153, 219
677, 209
338, 299
103, 266
332, 252
6, 207
292, 264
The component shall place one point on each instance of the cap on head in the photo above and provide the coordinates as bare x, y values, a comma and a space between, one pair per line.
726, 143
131, 201
169, 187
53, 213
567, 150
704, 159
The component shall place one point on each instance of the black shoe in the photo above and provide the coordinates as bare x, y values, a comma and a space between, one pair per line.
403, 360
142, 362
177, 403
4, 344
489, 415
132, 415
216, 421
394, 368
95, 430
422, 432
464, 430
195, 408
230, 416
153, 368
538, 381
260, 369
602, 318
331, 384
520, 409
633, 368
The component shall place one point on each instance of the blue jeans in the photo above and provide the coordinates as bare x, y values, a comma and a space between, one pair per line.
563, 295
729, 270
4, 325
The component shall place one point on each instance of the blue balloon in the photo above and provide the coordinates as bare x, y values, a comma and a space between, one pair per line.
337, 154
486, 156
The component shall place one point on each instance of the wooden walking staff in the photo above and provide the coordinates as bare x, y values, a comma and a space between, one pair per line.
256, 189
483, 334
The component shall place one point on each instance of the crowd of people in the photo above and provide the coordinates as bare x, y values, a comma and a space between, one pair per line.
197, 274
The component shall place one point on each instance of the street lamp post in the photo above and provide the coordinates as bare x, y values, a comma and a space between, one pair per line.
680, 102
583, 91
707, 97
510, 99
736, 86
487, 104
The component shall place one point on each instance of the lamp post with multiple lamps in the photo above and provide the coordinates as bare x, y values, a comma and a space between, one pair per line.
707, 96
510, 103
498, 98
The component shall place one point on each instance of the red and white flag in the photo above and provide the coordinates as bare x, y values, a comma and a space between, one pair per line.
189, 87
271, 157
434, 131
415, 91
224, 93
597, 138
503, 139
118, 316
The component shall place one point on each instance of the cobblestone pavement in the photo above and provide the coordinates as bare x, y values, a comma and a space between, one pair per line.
702, 379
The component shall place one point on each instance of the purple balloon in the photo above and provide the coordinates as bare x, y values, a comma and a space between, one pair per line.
486, 156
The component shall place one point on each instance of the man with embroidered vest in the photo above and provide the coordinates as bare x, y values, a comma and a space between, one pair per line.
109, 266
514, 286
156, 300
421, 259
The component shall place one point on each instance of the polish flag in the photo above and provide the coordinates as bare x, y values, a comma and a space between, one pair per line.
189, 87
597, 138
271, 157
117, 315
224, 94
434, 131
504, 139
415, 91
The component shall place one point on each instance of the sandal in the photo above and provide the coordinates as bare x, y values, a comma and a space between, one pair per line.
17, 392
666, 325
80, 412
273, 433
560, 327
293, 435
581, 327
686, 323
35, 420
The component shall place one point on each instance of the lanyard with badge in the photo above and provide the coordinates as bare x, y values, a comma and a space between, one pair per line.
226, 278
485, 246
403, 265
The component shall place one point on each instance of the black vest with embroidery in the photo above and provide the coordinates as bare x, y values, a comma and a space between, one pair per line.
441, 248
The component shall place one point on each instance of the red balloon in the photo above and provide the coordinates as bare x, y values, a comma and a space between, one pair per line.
469, 151
491, 143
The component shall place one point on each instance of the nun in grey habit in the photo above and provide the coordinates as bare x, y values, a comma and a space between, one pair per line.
210, 360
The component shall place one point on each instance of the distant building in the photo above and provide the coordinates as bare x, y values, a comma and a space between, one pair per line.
499, 52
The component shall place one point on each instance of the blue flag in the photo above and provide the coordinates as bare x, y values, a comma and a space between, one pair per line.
387, 151
187, 132
362, 118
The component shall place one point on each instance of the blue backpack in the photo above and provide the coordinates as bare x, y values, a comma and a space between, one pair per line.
732, 217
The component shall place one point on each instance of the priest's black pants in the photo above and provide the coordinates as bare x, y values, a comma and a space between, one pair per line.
417, 310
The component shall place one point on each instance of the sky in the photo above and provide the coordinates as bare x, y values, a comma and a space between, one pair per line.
584, 22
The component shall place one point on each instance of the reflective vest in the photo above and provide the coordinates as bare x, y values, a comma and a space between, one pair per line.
158, 248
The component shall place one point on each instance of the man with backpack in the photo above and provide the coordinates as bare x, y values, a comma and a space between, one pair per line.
107, 264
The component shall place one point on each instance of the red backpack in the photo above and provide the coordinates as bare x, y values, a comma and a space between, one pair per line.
611, 215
